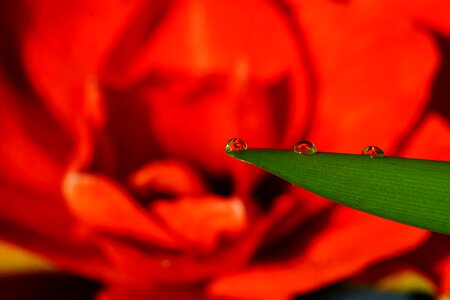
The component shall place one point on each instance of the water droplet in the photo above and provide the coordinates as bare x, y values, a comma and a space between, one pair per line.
373, 151
236, 144
305, 148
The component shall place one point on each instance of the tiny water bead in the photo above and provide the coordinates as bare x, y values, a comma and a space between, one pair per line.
373, 151
305, 148
236, 144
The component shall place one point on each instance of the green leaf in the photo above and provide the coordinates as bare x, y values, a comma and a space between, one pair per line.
410, 191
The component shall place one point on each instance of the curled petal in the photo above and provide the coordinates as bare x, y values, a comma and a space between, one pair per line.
202, 221
99, 203
167, 177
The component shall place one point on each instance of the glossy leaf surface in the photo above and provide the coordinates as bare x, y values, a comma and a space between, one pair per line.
410, 191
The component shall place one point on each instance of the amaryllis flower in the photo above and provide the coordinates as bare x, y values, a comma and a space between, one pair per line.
114, 116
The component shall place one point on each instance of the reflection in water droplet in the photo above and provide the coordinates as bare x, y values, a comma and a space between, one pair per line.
373, 151
236, 144
305, 148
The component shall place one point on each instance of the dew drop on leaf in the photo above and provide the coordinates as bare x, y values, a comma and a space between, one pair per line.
236, 144
373, 151
305, 148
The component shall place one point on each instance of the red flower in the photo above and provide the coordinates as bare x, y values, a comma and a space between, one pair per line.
113, 121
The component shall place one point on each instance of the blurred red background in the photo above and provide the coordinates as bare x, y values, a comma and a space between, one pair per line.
114, 117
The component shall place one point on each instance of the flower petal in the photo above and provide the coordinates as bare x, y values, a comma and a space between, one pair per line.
166, 293
202, 221
434, 13
141, 266
32, 152
31, 148
424, 143
211, 43
50, 57
100, 203
140, 270
295, 208
167, 177
375, 70
329, 255
229, 87
194, 116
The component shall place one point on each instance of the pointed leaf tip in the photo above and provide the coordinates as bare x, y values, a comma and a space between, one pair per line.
410, 191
